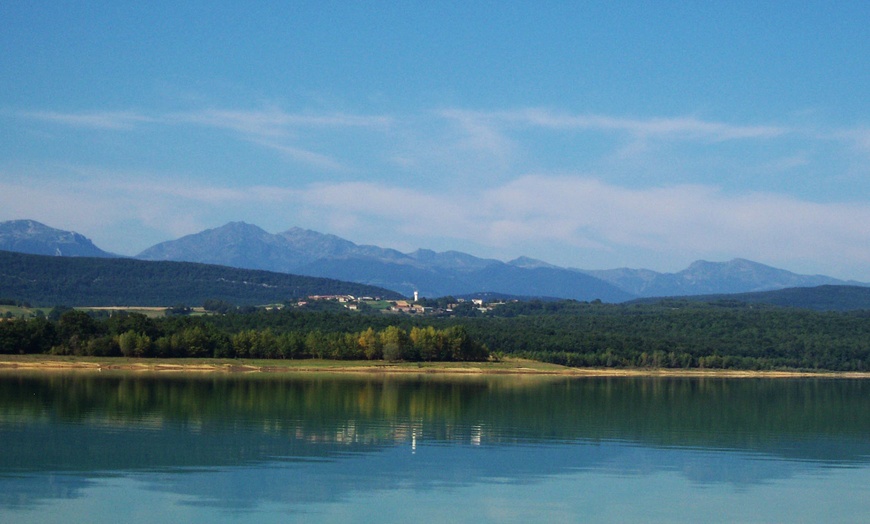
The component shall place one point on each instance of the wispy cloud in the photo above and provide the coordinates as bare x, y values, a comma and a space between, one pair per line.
272, 129
858, 137
303, 156
282, 131
275, 122
481, 135
92, 120
271, 122
486, 130
685, 128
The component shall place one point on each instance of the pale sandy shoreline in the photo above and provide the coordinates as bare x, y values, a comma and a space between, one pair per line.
511, 367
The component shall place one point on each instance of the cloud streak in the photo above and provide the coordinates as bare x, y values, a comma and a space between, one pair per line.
106, 120
273, 129
484, 145
683, 128
275, 122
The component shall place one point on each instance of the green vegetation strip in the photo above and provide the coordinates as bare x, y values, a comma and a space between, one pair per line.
48, 362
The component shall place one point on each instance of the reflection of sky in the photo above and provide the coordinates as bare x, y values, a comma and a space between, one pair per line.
453, 467
601, 481
432, 470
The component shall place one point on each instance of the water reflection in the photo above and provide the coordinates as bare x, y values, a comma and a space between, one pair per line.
238, 441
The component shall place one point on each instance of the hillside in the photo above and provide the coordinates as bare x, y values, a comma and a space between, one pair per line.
44, 280
819, 298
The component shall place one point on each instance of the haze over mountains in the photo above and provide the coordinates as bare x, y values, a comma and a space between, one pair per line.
305, 252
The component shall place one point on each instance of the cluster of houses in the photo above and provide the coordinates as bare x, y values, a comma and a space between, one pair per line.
404, 306
410, 307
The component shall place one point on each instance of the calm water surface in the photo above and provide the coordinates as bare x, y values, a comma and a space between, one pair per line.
139, 448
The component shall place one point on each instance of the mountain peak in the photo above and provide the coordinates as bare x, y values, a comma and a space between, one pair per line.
734, 263
36, 238
316, 245
530, 263
242, 227
451, 259
235, 244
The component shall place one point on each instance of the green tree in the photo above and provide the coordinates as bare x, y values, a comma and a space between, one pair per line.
371, 344
290, 345
462, 346
395, 343
133, 344
428, 343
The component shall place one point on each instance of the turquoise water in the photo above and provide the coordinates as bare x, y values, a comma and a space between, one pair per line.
319, 448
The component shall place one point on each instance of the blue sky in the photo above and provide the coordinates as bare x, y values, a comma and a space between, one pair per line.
633, 134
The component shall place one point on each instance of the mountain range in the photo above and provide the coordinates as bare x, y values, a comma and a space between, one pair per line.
432, 274
305, 252
709, 278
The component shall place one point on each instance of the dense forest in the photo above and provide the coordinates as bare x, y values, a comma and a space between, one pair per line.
48, 281
680, 334
668, 334
819, 298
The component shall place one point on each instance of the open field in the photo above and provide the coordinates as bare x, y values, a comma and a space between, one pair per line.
148, 311
508, 366
31, 312
19, 312
152, 312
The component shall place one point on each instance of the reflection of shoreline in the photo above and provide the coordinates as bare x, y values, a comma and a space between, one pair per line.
512, 367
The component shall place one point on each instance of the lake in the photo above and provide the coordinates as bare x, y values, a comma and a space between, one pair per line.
128, 447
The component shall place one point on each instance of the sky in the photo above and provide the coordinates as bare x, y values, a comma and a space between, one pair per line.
588, 135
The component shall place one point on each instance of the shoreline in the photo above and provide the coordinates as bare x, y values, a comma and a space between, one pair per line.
48, 363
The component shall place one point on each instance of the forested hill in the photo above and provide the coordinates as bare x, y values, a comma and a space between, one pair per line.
819, 298
48, 281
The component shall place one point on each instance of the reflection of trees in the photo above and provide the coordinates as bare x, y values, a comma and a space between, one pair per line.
380, 410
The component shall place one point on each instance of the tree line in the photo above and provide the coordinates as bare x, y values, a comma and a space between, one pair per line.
308, 335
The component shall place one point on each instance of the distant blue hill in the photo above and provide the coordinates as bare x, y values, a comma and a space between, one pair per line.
819, 298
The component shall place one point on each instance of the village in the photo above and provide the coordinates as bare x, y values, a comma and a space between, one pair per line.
415, 306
